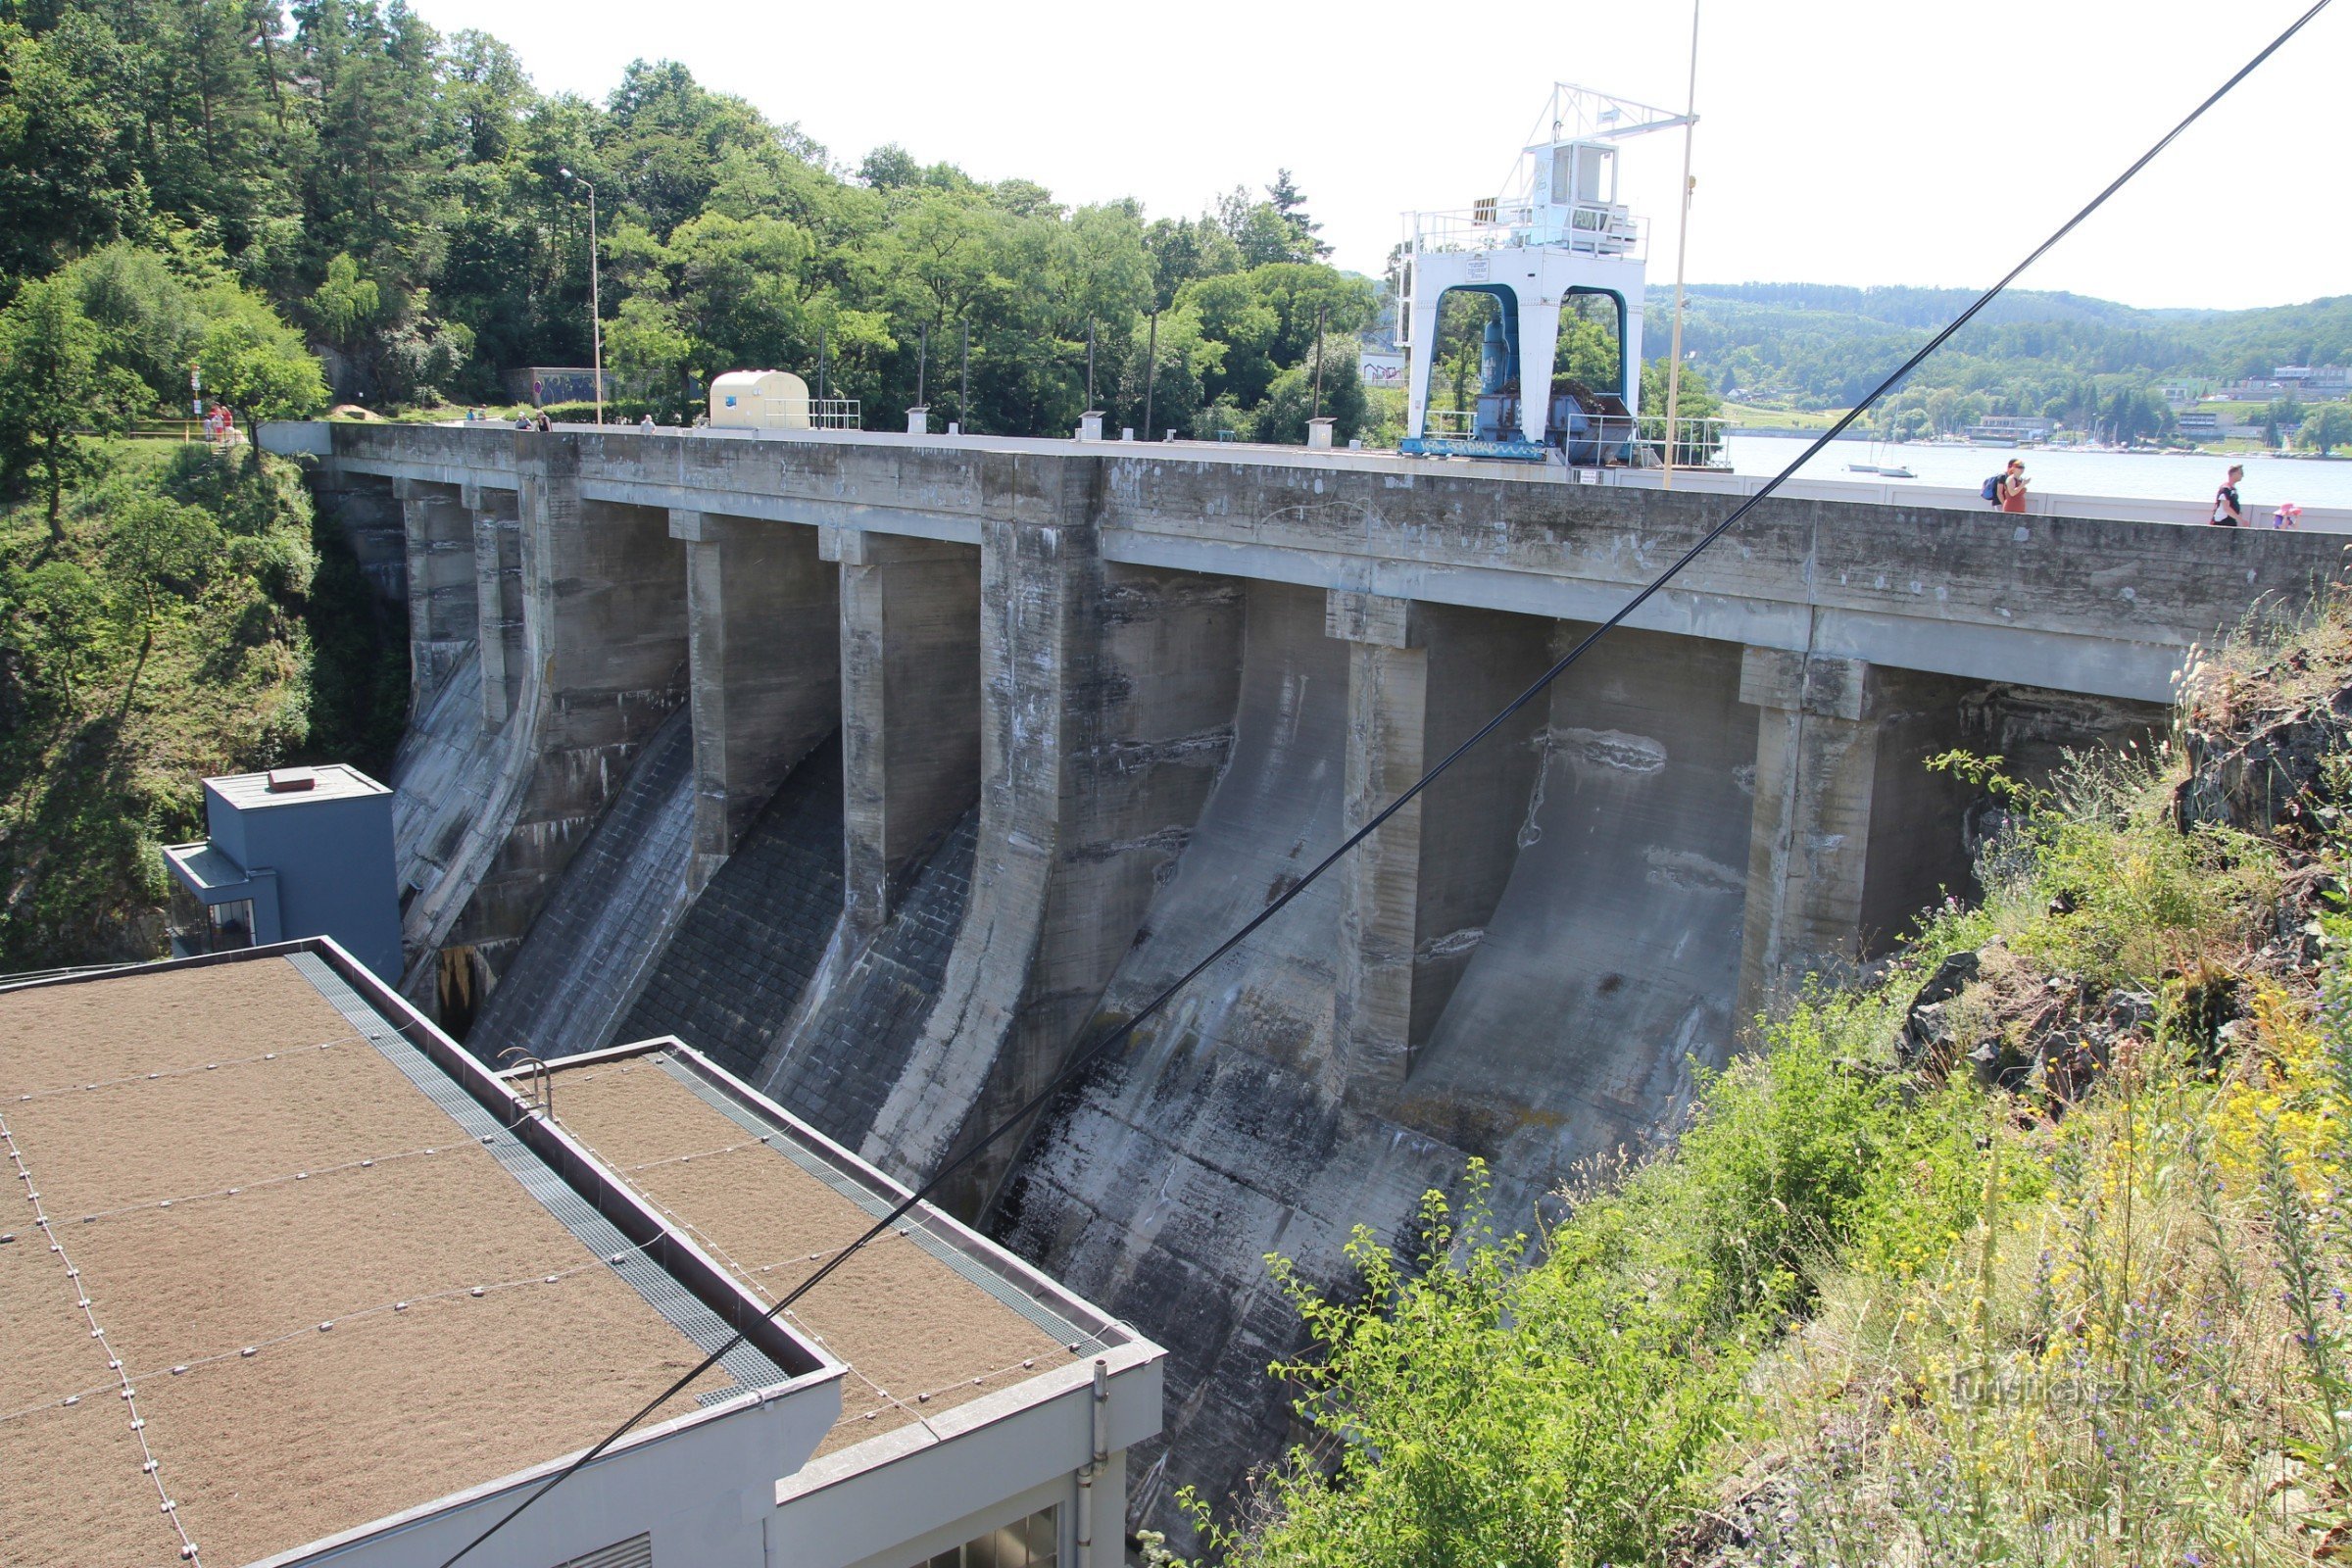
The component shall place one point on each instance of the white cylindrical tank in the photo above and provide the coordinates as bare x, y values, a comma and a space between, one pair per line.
759, 400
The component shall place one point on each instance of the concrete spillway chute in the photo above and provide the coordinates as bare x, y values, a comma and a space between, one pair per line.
1556, 237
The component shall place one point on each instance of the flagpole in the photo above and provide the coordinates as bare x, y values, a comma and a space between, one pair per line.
1682, 250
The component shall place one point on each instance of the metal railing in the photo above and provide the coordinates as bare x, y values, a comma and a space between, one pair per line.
1599, 229
835, 414
1452, 423
1699, 443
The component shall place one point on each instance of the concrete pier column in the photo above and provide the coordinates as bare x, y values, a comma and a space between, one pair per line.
764, 646
603, 610
498, 598
1416, 897
440, 570
910, 703
1817, 765
1379, 884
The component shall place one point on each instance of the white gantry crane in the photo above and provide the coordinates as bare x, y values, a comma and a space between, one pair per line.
1560, 232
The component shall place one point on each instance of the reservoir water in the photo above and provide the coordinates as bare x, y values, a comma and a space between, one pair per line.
2189, 479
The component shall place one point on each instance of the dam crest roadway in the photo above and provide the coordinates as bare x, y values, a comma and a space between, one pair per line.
887, 770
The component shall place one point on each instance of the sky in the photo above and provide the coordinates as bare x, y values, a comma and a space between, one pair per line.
1840, 141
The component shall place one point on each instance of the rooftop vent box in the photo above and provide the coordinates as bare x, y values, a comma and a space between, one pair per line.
288, 780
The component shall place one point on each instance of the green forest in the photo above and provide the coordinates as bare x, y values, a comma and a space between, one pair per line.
2088, 363
420, 213
284, 211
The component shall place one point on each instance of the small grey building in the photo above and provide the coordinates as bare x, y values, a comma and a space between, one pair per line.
296, 851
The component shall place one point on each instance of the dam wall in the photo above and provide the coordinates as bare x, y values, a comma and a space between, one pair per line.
991, 740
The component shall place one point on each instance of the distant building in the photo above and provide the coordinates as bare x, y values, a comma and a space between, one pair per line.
2192, 423
542, 384
2011, 430
296, 1280
2317, 384
1379, 369
2315, 380
296, 851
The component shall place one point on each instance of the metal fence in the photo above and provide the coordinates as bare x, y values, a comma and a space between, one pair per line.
1697, 443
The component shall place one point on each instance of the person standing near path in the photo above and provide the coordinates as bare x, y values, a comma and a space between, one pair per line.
2225, 501
1995, 490
2013, 486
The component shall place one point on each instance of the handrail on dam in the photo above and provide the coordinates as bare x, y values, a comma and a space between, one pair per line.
316, 438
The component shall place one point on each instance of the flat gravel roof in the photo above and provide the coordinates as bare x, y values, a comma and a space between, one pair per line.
927, 1317
329, 1299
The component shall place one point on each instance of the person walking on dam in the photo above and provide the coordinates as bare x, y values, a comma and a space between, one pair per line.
2225, 501
2013, 486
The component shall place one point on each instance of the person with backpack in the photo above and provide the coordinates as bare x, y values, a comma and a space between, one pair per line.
2225, 501
1997, 490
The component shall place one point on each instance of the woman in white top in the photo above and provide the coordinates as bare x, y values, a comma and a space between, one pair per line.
2224, 502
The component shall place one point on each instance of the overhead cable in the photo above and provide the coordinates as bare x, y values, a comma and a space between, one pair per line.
1085, 1058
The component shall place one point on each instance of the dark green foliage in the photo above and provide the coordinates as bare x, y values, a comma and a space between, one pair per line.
166, 634
358, 662
422, 212
1475, 1409
56, 388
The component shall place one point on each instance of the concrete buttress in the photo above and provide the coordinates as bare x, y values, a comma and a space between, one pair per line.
1416, 898
604, 640
1090, 771
497, 600
909, 705
442, 612
761, 613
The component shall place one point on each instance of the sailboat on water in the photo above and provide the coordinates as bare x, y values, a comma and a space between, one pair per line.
1874, 466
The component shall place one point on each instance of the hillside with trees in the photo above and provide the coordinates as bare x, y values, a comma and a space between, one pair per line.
419, 212
2088, 363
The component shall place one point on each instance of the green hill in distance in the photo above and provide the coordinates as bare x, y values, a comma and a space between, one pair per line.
2068, 356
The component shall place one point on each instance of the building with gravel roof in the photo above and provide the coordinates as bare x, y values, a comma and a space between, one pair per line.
291, 1278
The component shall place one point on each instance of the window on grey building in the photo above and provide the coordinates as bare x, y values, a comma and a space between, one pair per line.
1029, 1542
199, 928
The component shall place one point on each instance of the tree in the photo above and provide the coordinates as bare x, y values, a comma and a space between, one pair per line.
56, 391
889, 167
1290, 399
162, 549
253, 361
345, 303
2280, 416
64, 184
1290, 205
53, 618
2328, 427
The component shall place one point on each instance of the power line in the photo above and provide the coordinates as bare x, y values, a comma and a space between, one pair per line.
1085, 1058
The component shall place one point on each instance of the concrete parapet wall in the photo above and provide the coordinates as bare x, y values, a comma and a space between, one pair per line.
2093, 604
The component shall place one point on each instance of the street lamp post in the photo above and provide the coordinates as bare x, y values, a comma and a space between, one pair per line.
596, 315
1682, 249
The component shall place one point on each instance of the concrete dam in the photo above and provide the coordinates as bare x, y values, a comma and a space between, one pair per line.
890, 770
